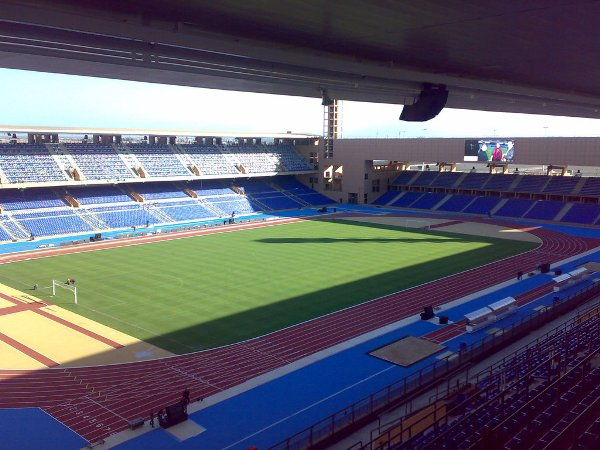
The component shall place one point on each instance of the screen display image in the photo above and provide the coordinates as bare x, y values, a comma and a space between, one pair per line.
490, 150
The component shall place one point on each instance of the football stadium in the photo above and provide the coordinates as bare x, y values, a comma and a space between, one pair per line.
184, 288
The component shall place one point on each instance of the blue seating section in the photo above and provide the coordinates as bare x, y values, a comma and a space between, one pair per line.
253, 186
532, 183
404, 177
55, 222
239, 205
482, 205
276, 200
93, 195
428, 200
456, 203
514, 207
446, 179
25, 163
268, 158
99, 162
158, 191
407, 199
591, 187
4, 235
584, 213
499, 182
545, 210
124, 216
188, 210
159, 160
210, 188
210, 160
13, 199
315, 199
426, 178
561, 185
474, 180
386, 198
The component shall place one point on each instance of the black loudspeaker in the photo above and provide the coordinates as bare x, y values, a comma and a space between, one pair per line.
558, 272
98, 237
545, 267
443, 320
431, 101
174, 414
427, 313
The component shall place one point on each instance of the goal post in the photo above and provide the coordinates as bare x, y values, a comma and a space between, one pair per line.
68, 287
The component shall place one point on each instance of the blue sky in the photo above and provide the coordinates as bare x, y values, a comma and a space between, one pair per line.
44, 99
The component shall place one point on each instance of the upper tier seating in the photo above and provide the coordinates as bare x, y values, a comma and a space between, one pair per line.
26, 163
545, 210
13, 199
456, 203
92, 195
561, 185
210, 160
404, 177
426, 178
446, 179
591, 187
482, 205
514, 207
474, 180
159, 160
529, 183
584, 213
268, 158
499, 182
99, 162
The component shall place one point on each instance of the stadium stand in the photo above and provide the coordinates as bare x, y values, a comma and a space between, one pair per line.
474, 180
583, 213
404, 178
532, 183
591, 187
499, 182
482, 205
561, 185
427, 200
446, 179
407, 199
209, 159
544, 210
87, 157
158, 160
514, 207
13, 199
54, 222
456, 203
426, 178
98, 195
386, 198
28, 163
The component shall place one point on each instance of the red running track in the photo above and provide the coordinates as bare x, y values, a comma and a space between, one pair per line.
98, 401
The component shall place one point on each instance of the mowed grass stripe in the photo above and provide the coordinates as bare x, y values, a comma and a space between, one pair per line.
202, 292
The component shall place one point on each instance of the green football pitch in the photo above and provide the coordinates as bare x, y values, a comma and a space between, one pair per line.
206, 291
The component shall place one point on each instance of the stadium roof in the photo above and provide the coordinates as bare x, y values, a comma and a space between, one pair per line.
537, 56
147, 132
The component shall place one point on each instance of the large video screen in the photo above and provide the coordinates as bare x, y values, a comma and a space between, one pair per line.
491, 150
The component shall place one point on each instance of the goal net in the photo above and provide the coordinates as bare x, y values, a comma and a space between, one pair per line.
67, 286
